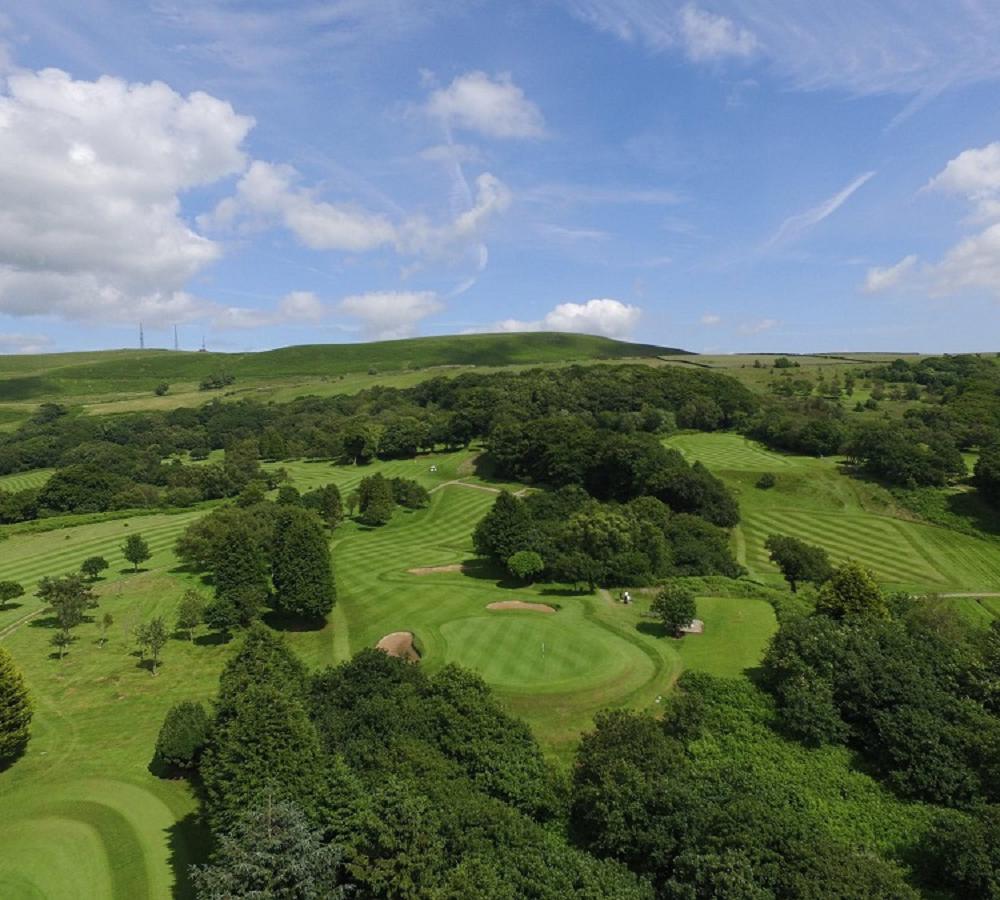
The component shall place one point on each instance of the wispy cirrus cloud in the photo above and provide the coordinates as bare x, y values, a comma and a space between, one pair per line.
856, 46
794, 227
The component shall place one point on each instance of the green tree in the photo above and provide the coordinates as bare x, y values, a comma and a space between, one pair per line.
327, 504
986, 475
92, 567
798, 560
15, 709
674, 606
9, 590
240, 576
61, 641
69, 598
272, 851
289, 496
265, 743
525, 564
161, 389
300, 565
506, 529
107, 620
851, 593
135, 550
183, 735
152, 636
377, 504
190, 612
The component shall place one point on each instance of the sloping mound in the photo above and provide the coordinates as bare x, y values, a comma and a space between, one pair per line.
521, 604
399, 643
434, 570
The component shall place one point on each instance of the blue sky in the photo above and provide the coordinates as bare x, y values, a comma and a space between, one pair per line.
720, 176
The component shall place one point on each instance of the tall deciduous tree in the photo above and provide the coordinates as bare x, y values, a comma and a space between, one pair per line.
190, 612
798, 560
136, 550
92, 567
852, 593
15, 709
300, 565
152, 636
327, 503
675, 607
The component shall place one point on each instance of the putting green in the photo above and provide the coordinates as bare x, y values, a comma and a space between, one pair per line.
527, 651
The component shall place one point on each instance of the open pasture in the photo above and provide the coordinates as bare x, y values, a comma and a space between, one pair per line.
853, 519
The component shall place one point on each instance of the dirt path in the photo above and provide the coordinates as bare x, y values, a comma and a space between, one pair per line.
465, 484
973, 594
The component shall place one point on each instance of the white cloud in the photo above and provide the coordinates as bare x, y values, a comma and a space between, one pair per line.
600, 316
391, 314
91, 173
757, 327
269, 194
707, 36
885, 279
494, 107
711, 319
12, 342
795, 226
852, 45
294, 308
974, 263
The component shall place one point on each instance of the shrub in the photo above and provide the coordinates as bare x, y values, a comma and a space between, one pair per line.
183, 735
766, 481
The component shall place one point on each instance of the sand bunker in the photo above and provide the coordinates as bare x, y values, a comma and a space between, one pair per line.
399, 643
434, 570
520, 604
695, 627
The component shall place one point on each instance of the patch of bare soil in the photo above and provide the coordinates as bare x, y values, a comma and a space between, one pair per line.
399, 643
434, 570
521, 604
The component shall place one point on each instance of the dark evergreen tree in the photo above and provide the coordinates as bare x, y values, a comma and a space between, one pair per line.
272, 851
300, 565
327, 503
240, 576
376, 501
15, 710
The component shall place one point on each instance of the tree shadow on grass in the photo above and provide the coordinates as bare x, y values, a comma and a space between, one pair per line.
653, 629
189, 841
7, 607
284, 622
563, 592
130, 571
483, 569
970, 505
212, 639
44, 622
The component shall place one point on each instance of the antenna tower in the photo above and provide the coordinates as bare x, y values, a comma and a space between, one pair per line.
142, 338
177, 345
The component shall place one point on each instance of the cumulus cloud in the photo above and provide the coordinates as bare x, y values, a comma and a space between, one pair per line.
494, 107
611, 318
387, 315
91, 174
707, 36
270, 194
885, 279
973, 264
711, 319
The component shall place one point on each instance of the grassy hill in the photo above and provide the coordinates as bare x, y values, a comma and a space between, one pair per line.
33, 378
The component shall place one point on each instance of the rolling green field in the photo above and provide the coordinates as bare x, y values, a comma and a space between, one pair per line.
851, 518
90, 820
24, 480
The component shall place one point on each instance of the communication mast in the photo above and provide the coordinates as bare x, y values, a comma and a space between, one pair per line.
177, 345
142, 338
